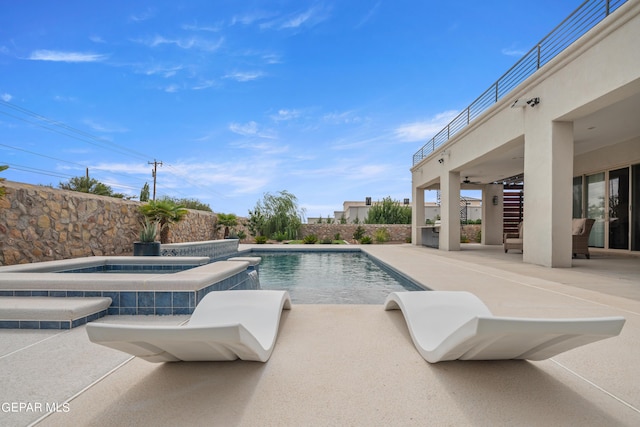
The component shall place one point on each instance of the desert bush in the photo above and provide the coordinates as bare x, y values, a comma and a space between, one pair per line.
382, 235
310, 239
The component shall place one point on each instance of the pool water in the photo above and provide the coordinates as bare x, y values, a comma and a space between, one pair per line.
329, 278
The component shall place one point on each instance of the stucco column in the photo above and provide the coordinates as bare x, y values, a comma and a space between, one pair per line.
492, 214
450, 211
548, 173
417, 215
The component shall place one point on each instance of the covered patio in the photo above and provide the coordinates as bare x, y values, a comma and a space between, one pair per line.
568, 131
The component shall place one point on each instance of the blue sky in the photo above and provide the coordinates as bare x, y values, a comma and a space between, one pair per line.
325, 99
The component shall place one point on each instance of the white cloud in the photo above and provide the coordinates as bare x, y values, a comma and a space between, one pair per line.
249, 19
172, 88
284, 115
244, 76
423, 130
369, 15
345, 117
196, 27
59, 56
513, 52
297, 20
185, 43
251, 129
143, 16
97, 39
204, 84
107, 128
165, 71
6, 97
308, 18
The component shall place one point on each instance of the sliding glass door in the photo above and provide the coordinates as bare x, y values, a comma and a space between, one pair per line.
619, 209
595, 198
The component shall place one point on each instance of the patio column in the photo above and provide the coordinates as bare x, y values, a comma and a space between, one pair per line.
548, 192
417, 215
450, 211
492, 214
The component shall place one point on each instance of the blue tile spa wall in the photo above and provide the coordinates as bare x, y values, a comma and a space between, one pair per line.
148, 301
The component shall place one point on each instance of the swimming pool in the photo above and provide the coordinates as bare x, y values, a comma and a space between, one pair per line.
329, 277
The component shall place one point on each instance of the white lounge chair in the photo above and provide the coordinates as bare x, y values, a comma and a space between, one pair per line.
457, 325
226, 325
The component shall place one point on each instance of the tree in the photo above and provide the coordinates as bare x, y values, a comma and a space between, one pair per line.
85, 184
227, 220
276, 213
194, 204
388, 211
144, 193
165, 213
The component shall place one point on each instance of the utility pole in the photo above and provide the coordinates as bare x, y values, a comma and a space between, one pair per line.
155, 164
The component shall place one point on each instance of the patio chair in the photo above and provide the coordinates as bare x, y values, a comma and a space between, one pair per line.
581, 228
457, 325
226, 325
513, 240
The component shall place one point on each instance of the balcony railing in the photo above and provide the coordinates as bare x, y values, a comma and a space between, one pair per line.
590, 13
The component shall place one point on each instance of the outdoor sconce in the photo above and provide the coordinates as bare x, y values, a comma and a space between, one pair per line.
495, 200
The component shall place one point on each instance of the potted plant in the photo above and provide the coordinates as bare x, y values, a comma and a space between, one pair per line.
147, 245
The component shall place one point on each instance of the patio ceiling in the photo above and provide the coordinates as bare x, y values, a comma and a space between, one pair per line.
610, 125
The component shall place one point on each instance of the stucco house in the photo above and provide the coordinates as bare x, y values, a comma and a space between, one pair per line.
564, 122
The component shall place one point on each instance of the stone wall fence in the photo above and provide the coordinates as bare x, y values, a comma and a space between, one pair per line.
39, 223
398, 232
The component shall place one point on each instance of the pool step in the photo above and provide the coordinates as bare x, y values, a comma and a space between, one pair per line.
50, 312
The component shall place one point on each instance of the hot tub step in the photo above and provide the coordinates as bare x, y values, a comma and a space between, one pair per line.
50, 312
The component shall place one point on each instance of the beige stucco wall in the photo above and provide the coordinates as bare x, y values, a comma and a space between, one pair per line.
598, 70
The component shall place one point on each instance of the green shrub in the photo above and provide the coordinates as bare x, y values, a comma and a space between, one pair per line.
326, 241
479, 236
261, 240
407, 239
366, 240
279, 237
311, 239
382, 235
359, 233
337, 237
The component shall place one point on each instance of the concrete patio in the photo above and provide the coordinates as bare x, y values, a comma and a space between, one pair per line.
355, 364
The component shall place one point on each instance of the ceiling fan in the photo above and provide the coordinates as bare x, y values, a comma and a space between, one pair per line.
468, 181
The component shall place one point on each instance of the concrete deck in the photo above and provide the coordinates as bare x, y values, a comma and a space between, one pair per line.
356, 365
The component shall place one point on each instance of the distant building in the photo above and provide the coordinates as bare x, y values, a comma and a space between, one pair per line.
470, 210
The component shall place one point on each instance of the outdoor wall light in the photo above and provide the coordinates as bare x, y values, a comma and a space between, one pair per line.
495, 200
521, 102
533, 102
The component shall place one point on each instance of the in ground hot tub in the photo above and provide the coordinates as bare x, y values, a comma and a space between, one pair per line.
143, 285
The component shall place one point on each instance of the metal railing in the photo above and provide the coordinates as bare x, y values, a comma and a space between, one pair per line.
590, 13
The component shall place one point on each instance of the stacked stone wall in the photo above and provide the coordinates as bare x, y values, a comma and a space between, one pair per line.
397, 232
42, 223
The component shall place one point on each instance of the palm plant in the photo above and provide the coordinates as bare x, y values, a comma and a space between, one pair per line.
227, 220
166, 213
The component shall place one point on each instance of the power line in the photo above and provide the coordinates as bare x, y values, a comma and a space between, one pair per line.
83, 136
73, 163
71, 132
